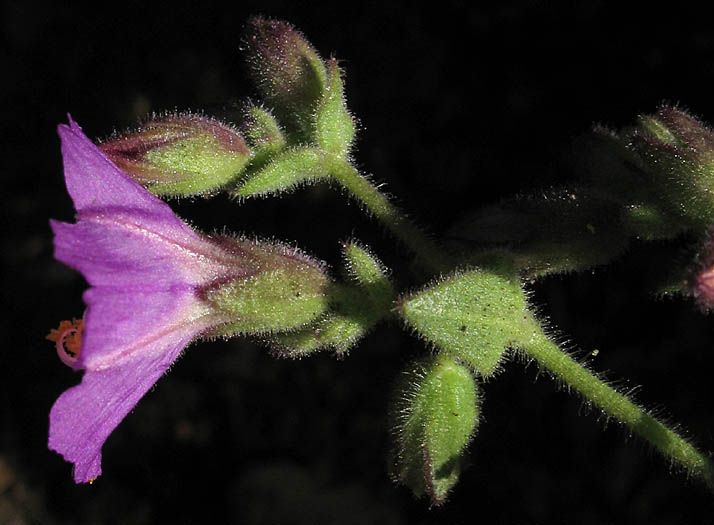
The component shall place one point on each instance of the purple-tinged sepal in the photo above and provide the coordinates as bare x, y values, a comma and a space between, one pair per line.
180, 155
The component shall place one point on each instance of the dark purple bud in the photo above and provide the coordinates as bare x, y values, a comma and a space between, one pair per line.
287, 69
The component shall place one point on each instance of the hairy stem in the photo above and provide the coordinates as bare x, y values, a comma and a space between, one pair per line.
618, 406
427, 252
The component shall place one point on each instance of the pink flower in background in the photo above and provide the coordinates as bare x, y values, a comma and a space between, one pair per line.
701, 279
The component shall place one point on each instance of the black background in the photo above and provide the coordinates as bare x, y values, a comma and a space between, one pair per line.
459, 106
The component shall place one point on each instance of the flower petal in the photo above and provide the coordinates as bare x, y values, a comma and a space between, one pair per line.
93, 181
118, 324
113, 252
83, 416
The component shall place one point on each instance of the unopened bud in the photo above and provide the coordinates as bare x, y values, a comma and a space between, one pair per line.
437, 415
368, 273
677, 152
180, 155
288, 71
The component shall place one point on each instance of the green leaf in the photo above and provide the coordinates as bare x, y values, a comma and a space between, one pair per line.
473, 315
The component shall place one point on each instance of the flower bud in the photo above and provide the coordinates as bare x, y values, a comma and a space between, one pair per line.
437, 415
288, 71
677, 152
284, 289
180, 155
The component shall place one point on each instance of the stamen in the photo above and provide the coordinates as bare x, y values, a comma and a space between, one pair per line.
68, 340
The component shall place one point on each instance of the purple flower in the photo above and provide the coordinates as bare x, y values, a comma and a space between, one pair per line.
152, 278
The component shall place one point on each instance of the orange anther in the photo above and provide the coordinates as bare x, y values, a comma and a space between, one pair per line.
68, 340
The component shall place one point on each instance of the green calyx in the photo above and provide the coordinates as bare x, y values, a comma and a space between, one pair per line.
285, 293
270, 301
651, 223
657, 129
437, 413
473, 315
199, 165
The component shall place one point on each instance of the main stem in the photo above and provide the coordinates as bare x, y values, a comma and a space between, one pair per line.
619, 406
427, 252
